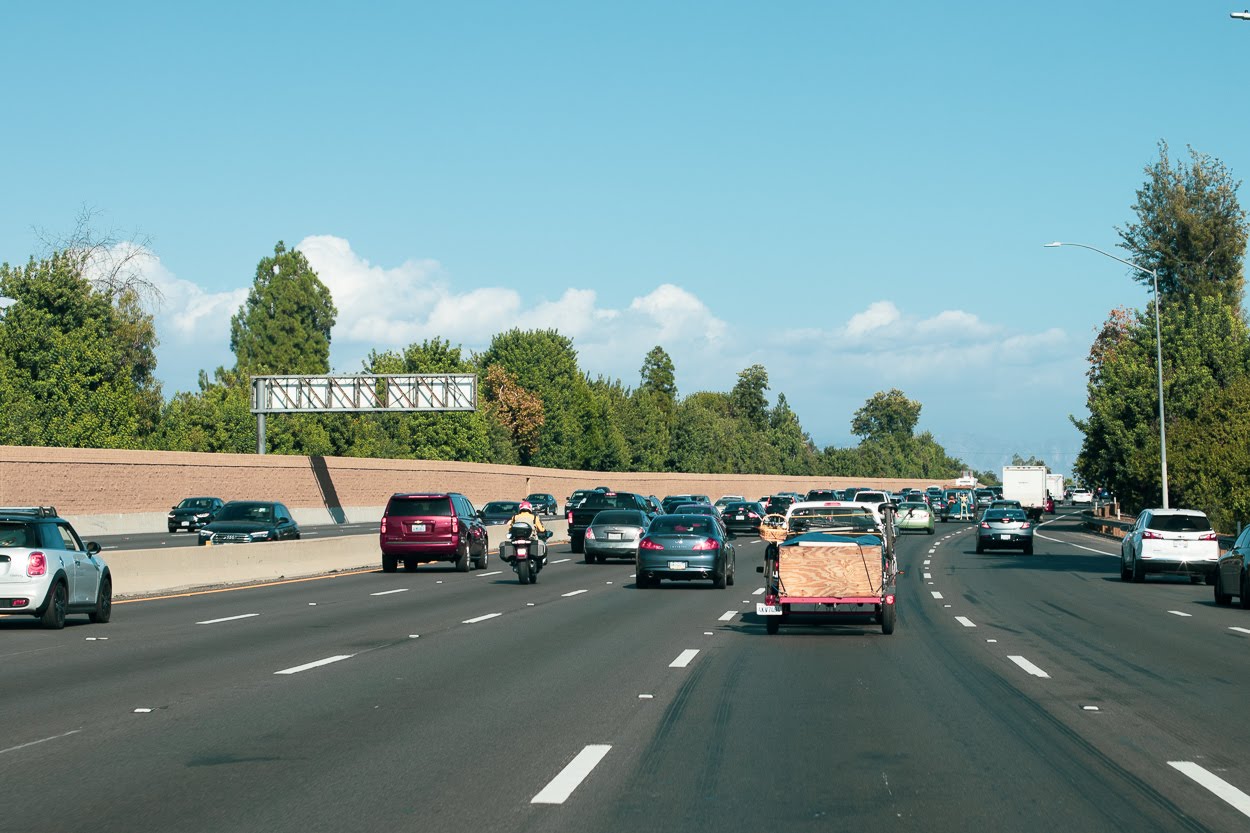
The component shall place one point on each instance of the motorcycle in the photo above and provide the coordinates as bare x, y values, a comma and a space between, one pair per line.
525, 550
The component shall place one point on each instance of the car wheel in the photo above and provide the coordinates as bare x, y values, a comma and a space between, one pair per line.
733, 571
1139, 572
462, 560
576, 544
1221, 598
389, 563
889, 616
980, 549
480, 563
53, 616
1125, 573
1243, 600
103, 602
410, 565
718, 580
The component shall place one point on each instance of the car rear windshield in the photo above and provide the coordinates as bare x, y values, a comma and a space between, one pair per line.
913, 504
680, 525
502, 506
1005, 515
598, 500
695, 509
620, 516
870, 497
420, 506
18, 535
746, 507
1179, 523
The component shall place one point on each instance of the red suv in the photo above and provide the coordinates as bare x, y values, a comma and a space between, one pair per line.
432, 527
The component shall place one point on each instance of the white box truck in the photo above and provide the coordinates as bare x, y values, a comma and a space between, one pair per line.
1026, 484
1054, 485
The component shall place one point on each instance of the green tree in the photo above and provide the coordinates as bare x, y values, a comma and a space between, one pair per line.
284, 325
77, 360
887, 414
652, 413
747, 400
1190, 228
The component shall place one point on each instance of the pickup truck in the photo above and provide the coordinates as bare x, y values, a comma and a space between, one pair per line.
580, 516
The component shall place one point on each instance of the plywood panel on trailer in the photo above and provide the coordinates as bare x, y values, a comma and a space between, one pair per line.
820, 572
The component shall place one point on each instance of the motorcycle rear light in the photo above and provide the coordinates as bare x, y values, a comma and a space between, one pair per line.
648, 544
36, 564
706, 544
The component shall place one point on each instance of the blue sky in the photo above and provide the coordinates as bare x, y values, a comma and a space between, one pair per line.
854, 195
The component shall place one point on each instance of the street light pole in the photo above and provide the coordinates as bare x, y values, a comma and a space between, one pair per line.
1154, 276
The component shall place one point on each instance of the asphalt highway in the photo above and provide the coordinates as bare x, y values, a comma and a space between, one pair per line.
1017, 694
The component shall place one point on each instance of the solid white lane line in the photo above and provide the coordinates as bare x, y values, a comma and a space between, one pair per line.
477, 619
1215, 784
965, 621
317, 664
1078, 546
571, 777
561, 561
728, 615
758, 592
1029, 667
1180, 613
684, 658
389, 592
574, 593
936, 594
492, 573
1239, 630
41, 740
227, 619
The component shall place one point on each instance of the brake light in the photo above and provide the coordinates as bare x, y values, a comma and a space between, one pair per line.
590, 533
1024, 525
648, 544
1209, 536
1149, 534
36, 564
384, 526
455, 523
752, 515
706, 544
570, 516
985, 524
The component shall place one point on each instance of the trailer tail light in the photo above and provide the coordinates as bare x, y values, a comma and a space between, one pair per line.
36, 564
648, 544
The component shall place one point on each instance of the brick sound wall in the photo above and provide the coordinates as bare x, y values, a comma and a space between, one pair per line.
98, 481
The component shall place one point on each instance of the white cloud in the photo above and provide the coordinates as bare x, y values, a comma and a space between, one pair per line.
879, 316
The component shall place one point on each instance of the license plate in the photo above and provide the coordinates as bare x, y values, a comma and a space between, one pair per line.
739, 518
762, 609
677, 565
1004, 537
418, 527
186, 523
615, 536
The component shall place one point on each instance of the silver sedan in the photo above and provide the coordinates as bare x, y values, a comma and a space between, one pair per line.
614, 533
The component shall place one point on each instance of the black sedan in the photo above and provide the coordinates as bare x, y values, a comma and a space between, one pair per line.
499, 511
743, 516
250, 521
193, 512
543, 503
685, 548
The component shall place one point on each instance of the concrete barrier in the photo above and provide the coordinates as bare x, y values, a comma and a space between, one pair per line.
138, 573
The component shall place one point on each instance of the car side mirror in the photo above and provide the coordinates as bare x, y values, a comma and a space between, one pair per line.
93, 548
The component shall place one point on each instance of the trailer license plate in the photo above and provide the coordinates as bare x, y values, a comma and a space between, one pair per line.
762, 609
677, 565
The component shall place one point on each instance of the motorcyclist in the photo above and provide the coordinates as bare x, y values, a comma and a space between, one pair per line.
526, 515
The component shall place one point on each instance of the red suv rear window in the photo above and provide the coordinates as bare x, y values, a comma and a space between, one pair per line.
420, 506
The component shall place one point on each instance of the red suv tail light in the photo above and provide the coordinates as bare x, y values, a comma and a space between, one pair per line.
36, 564
383, 525
1149, 534
648, 544
455, 524
1209, 536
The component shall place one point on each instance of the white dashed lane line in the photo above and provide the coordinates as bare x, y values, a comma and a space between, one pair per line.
759, 591
41, 740
727, 616
306, 666
965, 621
571, 777
1239, 630
574, 593
1238, 799
936, 594
477, 619
684, 658
492, 573
1180, 613
561, 561
1029, 667
227, 619
389, 592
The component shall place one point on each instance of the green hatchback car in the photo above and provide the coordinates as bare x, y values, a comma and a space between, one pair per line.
915, 516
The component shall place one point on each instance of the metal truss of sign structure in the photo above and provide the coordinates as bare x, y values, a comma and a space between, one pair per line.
364, 392
392, 393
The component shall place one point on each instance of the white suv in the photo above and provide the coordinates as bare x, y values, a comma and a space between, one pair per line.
47, 571
1173, 541
1082, 496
